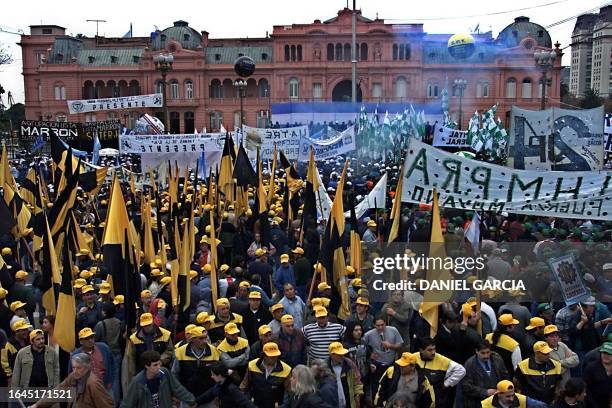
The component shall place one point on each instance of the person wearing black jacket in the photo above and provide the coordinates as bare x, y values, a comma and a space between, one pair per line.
483, 371
227, 393
254, 317
405, 368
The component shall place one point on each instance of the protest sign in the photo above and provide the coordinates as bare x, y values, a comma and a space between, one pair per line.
447, 137
286, 139
343, 143
123, 102
565, 270
32, 130
474, 185
556, 139
608, 133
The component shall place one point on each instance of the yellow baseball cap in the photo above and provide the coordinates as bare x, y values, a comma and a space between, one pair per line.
535, 322
264, 330
222, 302
298, 250
260, 252
35, 333
505, 386
271, 349
198, 331
316, 302
202, 317
85, 274
146, 319
406, 359
362, 301
320, 311
18, 304
286, 319
371, 223
145, 293
349, 270
542, 347
7, 251
337, 348
21, 275
118, 300
193, 274
245, 284
323, 286
3, 293
83, 252
156, 272
188, 328
207, 268
284, 258
165, 281
357, 282
87, 289
507, 319
276, 307
105, 288
86, 333
79, 283
224, 268
254, 295
20, 324
231, 328
551, 328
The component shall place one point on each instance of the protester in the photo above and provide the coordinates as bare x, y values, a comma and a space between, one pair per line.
267, 378
36, 365
483, 371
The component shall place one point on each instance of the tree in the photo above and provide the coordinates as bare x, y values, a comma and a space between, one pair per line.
12, 116
591, 99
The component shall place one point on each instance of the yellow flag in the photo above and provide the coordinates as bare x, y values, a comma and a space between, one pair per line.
396, 210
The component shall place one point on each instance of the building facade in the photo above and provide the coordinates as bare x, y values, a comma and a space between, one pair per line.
592, 54
296, 63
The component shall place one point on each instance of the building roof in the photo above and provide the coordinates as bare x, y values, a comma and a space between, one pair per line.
227, 55
64, 49
181, 32
436, 52
104, 56
513, 34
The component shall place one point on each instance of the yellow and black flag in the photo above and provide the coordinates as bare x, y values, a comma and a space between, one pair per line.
225, 180
433, 299
294, 182
65, 322
51, 276
309, 213
396, 210
355, 240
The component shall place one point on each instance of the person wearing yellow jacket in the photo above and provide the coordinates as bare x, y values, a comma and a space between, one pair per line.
506, 397
539, 376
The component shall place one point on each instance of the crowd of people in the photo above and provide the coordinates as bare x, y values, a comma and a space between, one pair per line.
275, 334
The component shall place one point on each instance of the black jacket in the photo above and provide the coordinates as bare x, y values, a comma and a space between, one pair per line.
476, 381
599, 385
307, 401
251, 322
229, 396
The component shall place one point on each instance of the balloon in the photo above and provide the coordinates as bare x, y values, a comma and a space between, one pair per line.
244, 66
461, 45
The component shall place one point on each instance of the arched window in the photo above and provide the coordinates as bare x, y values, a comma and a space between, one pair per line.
299, 52
174, 89
123, 88
159, 87
485, 89
99, 89
338, 52
432, 89
347, 52
293, 54
395, 52
511, 88
294, 88
330, 52
59, 91
134, 88
114, 89
401, 88
407, 51
175, 122
526, 89
88, 90
216, 91
40, 91
189, 89
264, 88
402, 52
286, 53
189, 122
363, 52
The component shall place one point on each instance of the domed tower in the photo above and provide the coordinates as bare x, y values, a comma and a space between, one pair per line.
180, 32
513, 34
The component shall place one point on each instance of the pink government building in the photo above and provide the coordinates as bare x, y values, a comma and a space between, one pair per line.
296, 63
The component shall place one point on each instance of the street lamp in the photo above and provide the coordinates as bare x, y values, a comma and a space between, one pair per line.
460, 85
241, 85
163, 64
544, 60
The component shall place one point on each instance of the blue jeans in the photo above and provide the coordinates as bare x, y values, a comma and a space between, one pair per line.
117, 378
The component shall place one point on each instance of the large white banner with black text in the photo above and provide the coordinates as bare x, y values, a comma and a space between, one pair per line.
448, 137
556, 139
286, 139
474, 185
123, 102
327, 149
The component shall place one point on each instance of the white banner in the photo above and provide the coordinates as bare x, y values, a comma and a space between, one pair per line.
286, 139
608, 133
124, 102
447, 137
475, 185
556, 139
565, 270
327, 149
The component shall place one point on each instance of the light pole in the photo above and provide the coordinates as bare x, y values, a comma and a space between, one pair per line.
163, 64
460, 85
544, 60
241, 85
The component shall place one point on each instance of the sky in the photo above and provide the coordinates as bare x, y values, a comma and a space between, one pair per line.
231, 18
